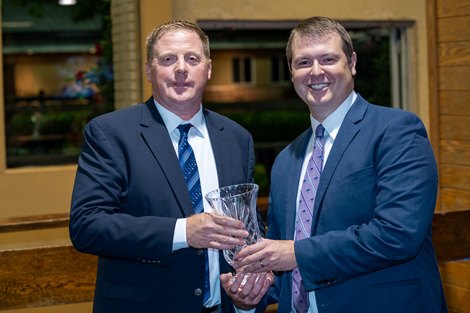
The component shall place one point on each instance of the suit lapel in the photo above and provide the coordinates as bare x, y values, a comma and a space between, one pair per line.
348, 130
220, 147
156, 136
292, 179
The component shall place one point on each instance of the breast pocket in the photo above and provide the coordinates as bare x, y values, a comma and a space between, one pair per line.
360, 186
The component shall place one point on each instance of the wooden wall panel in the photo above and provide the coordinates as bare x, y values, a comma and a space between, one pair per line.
457, 300
454, 102
451, 243
454, 78
455, 152
450, 8
450, 36
456, 278
454, 53
454, 199
454, 176
453, 28
455, 127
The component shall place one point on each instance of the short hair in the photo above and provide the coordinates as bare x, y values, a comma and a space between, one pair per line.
158, 32
317, 27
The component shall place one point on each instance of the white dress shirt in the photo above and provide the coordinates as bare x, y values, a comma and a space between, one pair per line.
198, 138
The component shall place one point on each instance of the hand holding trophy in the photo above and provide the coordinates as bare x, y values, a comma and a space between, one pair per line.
238, 202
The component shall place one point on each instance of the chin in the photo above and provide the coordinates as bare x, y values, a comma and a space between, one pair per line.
317, 100
183, 97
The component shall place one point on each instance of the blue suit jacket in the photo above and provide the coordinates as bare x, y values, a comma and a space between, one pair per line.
128, 193
370, 249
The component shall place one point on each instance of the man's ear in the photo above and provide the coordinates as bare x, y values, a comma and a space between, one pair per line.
148, 71
209, 71
352, 64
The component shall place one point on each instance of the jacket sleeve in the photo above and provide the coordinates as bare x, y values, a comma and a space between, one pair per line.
98, 223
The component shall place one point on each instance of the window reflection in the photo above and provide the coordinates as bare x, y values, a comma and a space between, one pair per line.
57, 76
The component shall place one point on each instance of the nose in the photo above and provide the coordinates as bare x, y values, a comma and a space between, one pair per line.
181, 66
316, 68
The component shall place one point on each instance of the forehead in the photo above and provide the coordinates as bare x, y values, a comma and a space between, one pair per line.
331, 41
178, 39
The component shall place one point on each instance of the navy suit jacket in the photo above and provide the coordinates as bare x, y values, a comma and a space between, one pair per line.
370, 248
129, 191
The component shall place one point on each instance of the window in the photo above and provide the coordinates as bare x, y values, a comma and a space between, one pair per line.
373, 78
279, 69
242, 70
57, 75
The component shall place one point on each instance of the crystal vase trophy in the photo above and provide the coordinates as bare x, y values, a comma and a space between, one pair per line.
238, 202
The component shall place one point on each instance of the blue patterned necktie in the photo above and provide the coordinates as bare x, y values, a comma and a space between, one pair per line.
191, 175
304, 215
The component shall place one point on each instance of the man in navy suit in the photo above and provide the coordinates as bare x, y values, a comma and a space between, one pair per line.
369, 248
131, 204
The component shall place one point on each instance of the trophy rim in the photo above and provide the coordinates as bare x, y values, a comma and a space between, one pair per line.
215, 194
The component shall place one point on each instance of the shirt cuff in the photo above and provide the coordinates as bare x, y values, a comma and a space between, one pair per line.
237, 310
179, 237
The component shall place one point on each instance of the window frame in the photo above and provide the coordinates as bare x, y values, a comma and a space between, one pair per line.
241, 64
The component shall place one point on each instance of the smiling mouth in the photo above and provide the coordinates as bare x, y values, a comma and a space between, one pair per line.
317, 86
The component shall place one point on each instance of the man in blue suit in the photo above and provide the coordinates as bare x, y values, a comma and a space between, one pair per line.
369, 246
131, 204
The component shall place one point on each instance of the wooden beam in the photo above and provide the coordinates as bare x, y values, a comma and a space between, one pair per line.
450, 234
33, 222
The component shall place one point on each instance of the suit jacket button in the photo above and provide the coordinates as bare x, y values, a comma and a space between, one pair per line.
200, 252
198, 292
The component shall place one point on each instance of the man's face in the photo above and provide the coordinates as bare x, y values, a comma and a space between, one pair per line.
179, 72
321, 74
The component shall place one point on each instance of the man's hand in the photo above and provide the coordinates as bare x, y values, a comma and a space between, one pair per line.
266, 255
210, 230
246, 290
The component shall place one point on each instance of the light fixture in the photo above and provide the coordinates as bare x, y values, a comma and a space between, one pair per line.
67, 2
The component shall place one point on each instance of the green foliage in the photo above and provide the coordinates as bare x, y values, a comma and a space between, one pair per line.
261, 178
22, 123
273, 126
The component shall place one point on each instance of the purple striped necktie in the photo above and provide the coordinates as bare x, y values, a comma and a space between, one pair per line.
303, 221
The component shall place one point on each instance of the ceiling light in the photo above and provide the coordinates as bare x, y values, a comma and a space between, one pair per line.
67, 2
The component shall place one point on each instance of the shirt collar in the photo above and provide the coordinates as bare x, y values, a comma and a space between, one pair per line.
333, 122
172, 121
